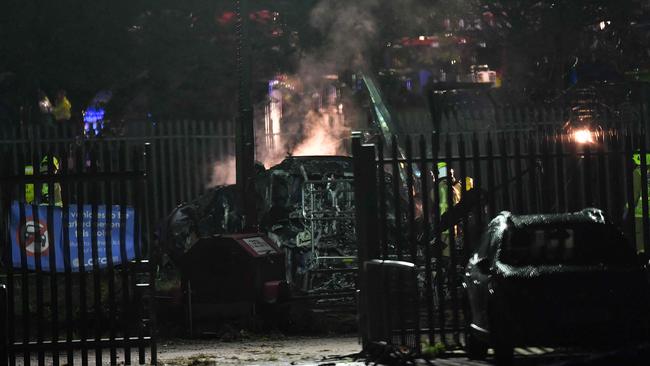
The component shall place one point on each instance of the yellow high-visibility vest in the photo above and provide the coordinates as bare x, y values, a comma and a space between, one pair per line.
45, 190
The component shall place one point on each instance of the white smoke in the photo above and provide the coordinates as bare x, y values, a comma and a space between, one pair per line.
349, 30
324, 134
223, 172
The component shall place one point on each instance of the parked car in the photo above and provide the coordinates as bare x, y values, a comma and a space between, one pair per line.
554, 280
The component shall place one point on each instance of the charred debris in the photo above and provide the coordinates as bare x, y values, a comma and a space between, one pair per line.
305, 205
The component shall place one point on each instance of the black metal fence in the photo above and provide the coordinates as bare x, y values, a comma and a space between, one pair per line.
185, 155
76, 250
408, 211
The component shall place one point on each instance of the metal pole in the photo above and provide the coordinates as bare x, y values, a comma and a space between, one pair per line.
4, 318
244, 131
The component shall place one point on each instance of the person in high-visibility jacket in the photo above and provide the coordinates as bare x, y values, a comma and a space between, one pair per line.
445, 179
45, 187
62, 107
638, 198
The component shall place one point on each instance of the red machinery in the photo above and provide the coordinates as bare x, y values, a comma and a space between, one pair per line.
228, 276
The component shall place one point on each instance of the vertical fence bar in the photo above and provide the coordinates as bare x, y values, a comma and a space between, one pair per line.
166, 171
10, 309
399, 240
178, 178
94, 226
155, 210
560, 181
630, 194
182, 155
24, 288
396, 197
4, 318
38, 257
644, 191
616, 171
204, 156
602, 172
160, 182
124, 271
108, 242
451, 227
8, 316
384, 234
519, 182
383, 223
462, 162
440, 294
187, 163
195, 171
53, 241
214, 151
139, 238
476, 168
587, 177
410, 199
412, 235
151, 255
81, 243
366, 219
546, 188
12, 278
221, 130
573, 174
426, 238
490, 177
66, 193
467, 236
532, 175
505, 181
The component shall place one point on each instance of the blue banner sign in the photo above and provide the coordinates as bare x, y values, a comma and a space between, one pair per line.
23, 236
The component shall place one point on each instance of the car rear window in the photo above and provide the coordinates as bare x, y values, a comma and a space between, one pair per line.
580, 244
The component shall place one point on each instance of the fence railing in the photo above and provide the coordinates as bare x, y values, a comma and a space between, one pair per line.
189, 156
427, 200
184, 154
76, 243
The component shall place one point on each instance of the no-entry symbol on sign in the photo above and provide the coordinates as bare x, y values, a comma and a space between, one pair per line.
33, 237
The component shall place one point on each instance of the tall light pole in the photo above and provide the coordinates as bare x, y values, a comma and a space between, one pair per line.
244, 129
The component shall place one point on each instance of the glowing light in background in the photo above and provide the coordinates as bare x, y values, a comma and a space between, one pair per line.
583, 136
273, 117
93, 119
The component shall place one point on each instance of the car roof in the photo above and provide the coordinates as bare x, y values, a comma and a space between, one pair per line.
586, 216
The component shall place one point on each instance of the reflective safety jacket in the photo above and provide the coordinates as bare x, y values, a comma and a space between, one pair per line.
638, 186
62, 110
45, 191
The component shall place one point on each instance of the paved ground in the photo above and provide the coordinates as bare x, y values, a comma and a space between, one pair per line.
280, 350
331, 351
271, 350
328, 351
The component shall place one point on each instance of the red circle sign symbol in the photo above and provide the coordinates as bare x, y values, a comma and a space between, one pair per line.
26, 236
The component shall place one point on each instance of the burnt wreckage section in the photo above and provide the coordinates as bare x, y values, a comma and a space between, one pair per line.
304, 204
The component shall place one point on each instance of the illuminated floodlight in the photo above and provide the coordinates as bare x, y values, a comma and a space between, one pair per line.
583, 136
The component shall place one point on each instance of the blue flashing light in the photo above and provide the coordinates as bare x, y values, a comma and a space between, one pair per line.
93, 114
272, 83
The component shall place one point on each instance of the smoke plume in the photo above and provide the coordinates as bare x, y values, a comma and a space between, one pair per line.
223, 173
321, 125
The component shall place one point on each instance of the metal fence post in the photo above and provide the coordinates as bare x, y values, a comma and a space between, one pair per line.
4, 341
365, 197
365, 191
